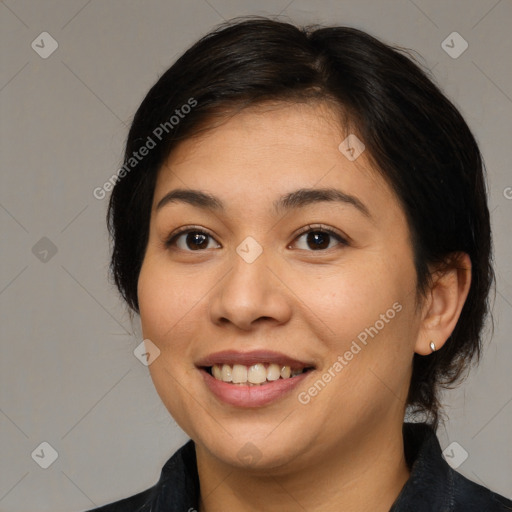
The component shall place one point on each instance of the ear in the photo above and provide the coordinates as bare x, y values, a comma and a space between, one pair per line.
444, 302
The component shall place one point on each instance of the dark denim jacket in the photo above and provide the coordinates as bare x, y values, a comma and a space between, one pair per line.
433, 486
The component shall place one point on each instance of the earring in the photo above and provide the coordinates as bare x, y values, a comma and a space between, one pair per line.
432, 346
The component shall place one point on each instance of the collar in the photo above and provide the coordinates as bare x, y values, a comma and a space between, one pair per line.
432, 486
430, 483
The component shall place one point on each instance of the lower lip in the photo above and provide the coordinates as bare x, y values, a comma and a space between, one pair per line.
252, 396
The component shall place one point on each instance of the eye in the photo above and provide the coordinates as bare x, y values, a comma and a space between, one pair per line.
196, 239
319, 237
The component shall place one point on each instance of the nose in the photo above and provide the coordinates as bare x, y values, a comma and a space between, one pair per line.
251, 294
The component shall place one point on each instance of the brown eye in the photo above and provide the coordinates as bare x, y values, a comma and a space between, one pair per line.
194, 240
318, 239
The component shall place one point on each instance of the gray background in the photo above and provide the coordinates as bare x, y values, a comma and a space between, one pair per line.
68, 373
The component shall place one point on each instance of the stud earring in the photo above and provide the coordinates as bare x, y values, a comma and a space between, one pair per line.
432, 346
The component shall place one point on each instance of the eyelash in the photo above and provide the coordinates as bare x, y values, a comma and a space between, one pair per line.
171, 240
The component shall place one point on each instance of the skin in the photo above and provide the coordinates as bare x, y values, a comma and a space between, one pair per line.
308, 303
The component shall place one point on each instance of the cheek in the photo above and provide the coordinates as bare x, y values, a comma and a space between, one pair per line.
354, 298
173, 306
164, 299
368, 308
163, 313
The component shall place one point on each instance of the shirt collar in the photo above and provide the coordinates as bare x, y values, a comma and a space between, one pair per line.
430, 481
430, 484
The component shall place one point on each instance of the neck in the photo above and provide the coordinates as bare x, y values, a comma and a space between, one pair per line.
368, 475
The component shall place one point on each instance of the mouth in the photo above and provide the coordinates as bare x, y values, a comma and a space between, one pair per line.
254, 378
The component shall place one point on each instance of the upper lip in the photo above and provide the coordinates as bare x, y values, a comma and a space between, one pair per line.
250, 358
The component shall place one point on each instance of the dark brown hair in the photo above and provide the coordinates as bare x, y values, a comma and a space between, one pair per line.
415, 136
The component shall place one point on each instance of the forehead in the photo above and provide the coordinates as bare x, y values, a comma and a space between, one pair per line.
298, 127
263, 152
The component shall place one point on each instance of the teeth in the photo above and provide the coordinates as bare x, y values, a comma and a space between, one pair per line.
273, 372
239, 373
256, 374
226, 373
217, 372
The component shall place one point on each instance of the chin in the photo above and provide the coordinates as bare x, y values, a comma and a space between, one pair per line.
258, 448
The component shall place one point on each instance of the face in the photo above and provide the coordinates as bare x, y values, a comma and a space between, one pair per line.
306, 301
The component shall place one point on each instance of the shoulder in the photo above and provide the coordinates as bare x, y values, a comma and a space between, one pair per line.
434, 485
178, 487
135, 503
468, 496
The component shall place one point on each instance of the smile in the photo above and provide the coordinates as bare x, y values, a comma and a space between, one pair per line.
252, 379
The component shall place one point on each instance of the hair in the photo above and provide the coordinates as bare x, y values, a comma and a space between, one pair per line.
415, 137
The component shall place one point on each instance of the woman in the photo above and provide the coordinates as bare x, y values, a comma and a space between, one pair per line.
301, 223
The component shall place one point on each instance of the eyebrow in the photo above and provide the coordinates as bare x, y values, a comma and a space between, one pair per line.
292, 200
